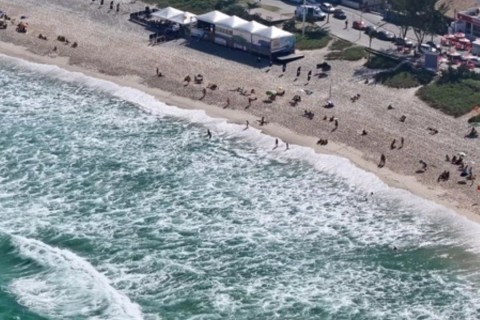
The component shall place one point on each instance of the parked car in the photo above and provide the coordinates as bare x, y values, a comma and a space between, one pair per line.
385, 35
370, 30
339, 14
311, 12
359, 25
403, 42
327, 7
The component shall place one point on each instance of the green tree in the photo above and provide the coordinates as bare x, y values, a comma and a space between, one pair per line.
423, 16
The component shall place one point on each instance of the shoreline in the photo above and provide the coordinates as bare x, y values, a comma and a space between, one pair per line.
437, 194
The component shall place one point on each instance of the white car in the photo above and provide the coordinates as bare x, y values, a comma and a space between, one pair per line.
327, 7
311, 12
424, 48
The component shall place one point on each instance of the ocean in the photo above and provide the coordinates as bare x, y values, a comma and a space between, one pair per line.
114, 205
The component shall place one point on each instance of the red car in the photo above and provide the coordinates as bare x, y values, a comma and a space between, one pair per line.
359, 25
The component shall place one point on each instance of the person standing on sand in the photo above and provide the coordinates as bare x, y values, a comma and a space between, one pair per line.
246, 127
111, 5
284, 67
287, 147
383, 159
392, 145
204, 93
401, 143
299, 70
309, 76
227, 104
276, 144
118, 7
101, 2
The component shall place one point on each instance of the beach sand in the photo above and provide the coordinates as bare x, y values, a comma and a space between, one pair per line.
112, 48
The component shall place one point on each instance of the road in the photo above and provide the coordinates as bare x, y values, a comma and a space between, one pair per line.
337, 27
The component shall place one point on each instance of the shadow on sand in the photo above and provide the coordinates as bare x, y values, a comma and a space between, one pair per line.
228, 53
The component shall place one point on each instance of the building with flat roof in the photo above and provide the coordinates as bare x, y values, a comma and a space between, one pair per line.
471, 19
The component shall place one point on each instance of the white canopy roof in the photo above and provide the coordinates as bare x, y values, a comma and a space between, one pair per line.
167, 13
272, 33
184, 18
251, 27
212, 17
232, 22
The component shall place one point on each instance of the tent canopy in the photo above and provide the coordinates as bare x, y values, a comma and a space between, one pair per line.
212, 17
272, 33
232, 22
251, 27
167, 13
184, 18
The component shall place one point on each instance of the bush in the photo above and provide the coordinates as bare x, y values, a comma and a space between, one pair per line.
340, 45
475, 119
381, 62
454, 98
350, 54
405, 77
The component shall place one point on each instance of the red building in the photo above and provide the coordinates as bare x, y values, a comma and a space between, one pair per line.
471, 18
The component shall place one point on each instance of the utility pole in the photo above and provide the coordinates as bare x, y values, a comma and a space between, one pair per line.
304, 16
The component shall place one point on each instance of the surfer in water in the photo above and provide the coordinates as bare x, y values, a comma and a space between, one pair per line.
209, 134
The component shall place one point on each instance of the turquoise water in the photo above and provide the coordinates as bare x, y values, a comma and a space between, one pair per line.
116, 206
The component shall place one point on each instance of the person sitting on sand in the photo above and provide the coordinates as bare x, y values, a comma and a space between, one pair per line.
390, 107
403, 118
187, 80
472, 134
364, 132
424, 165
444, 176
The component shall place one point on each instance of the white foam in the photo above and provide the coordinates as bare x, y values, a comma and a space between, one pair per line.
340, 167
69, 286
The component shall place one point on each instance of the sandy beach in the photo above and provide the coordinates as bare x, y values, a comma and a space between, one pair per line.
112, 48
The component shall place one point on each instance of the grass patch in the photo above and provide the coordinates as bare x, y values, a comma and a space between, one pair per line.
350, 54
381, 62
456, 99
405, 77
340, 45
314, 38
456, 92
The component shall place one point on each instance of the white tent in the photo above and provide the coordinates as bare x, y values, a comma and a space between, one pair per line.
184, 18
272, 33
212, 17
245, 31
232, 22
167, 13
251, 27
226, 26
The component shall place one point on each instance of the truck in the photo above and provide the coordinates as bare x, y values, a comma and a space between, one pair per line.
311, 13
